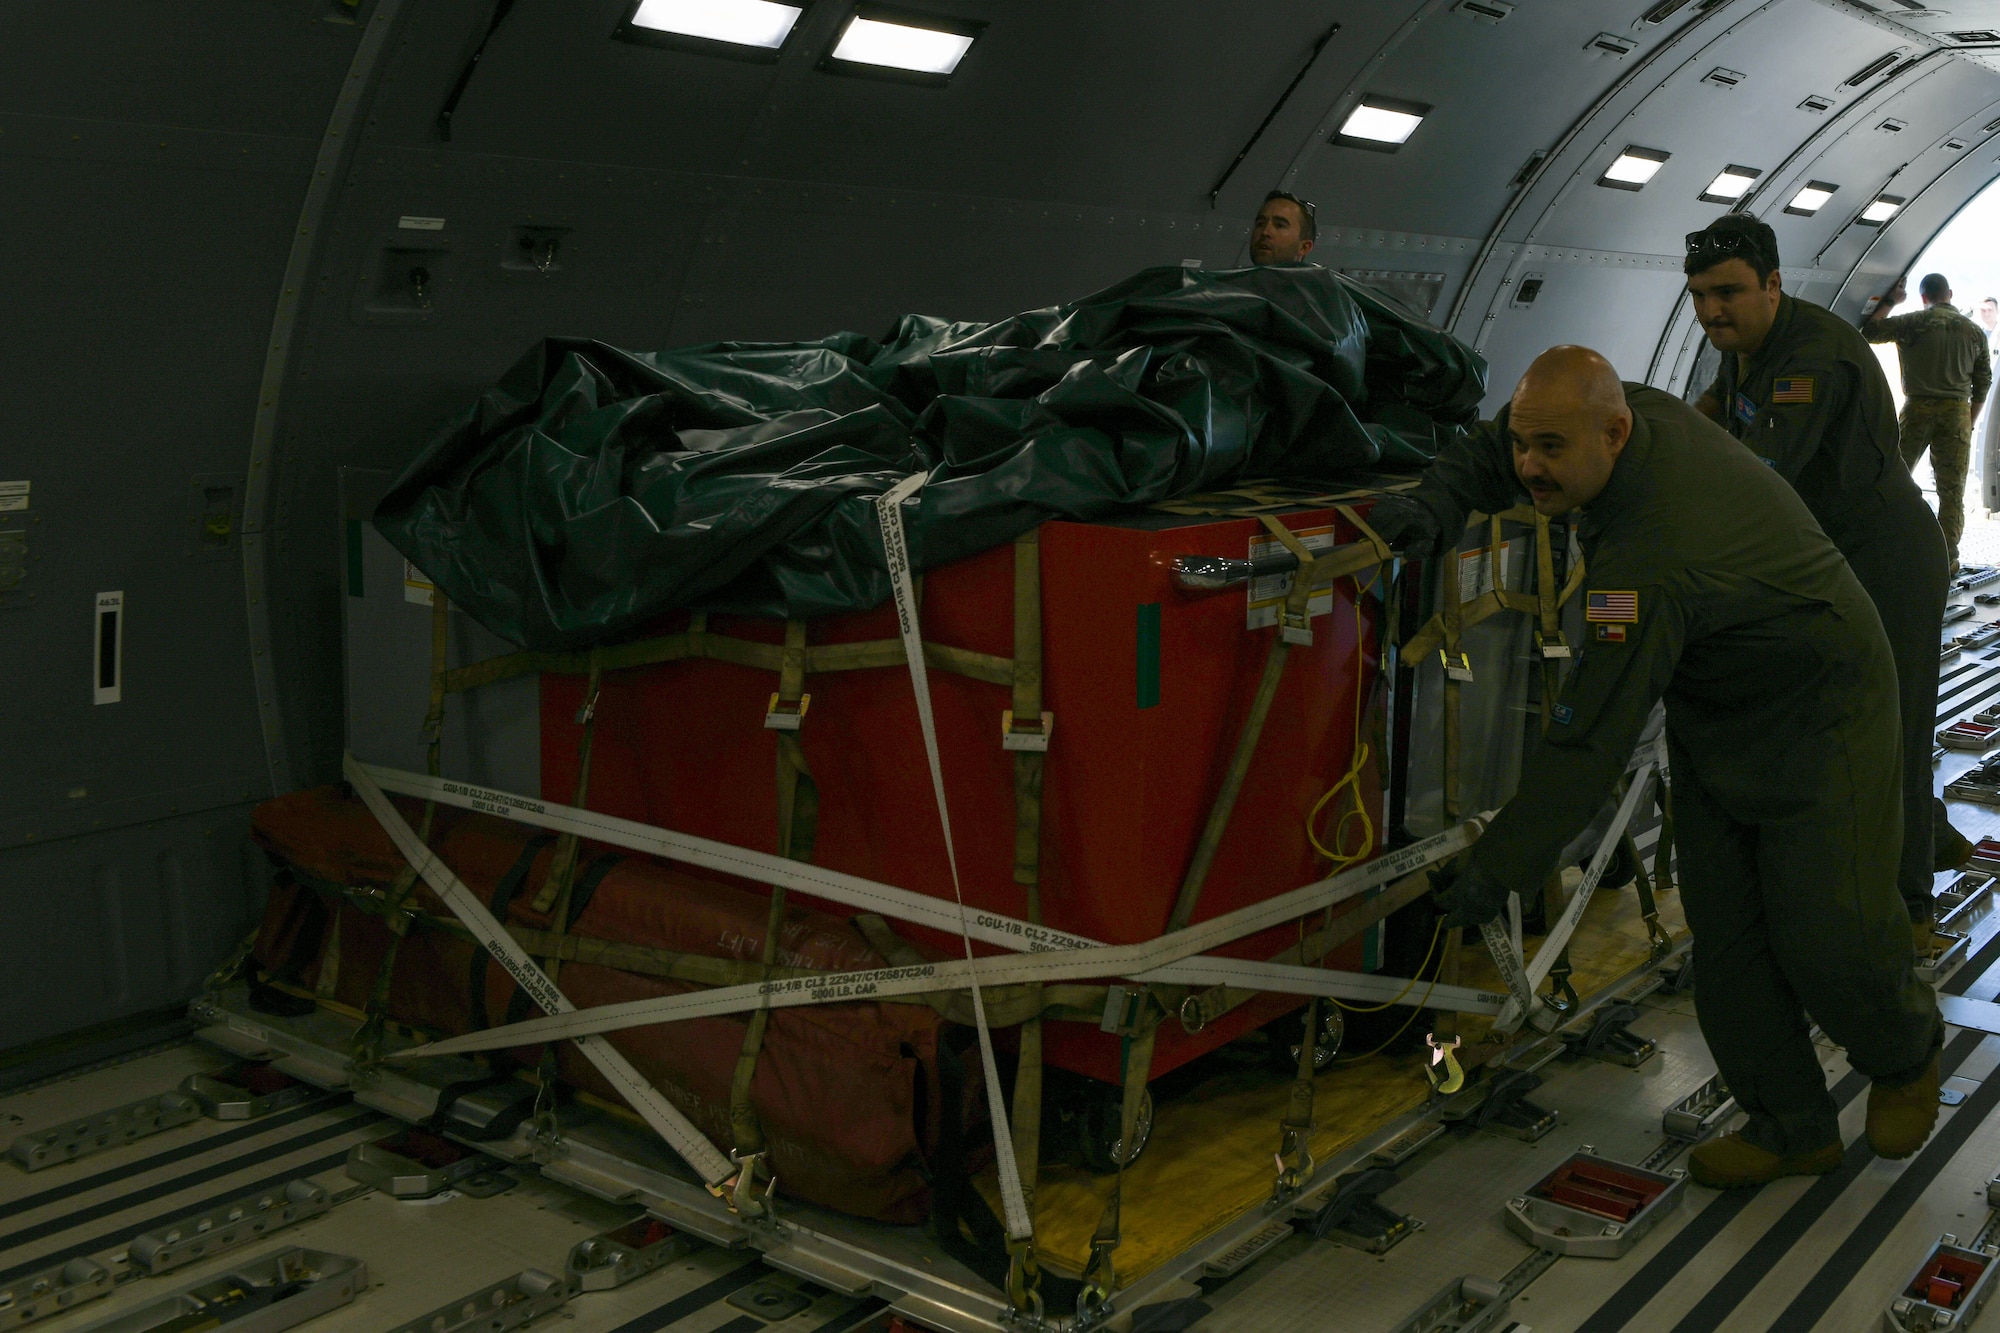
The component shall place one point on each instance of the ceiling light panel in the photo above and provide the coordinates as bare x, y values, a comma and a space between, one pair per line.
1383, 124
902, 46
759, 24
1631, 169
1881, 209
1730, 184
1811, 199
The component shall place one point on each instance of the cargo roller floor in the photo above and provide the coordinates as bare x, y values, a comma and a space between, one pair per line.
1209, 1160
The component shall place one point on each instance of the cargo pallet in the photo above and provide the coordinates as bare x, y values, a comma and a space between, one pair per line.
607, 1155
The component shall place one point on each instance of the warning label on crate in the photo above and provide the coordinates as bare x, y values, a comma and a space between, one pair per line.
417, 586
1475, 569
1267, 594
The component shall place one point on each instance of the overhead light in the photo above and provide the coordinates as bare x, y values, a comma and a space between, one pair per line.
760, 25
902, 44
1811, 199
1631, 169
1383, 124
1730, 185
1881, 209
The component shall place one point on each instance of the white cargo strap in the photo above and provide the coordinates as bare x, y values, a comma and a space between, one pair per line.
1166, 959
641, 1095
1558, 938
1154, 961
895, 548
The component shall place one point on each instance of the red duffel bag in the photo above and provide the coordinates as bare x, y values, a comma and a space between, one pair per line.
851, 1096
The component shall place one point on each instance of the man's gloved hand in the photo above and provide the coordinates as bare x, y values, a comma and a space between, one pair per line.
1468, 897
1408, 526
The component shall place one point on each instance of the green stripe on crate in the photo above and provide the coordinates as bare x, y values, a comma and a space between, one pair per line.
355, 586
1149, 655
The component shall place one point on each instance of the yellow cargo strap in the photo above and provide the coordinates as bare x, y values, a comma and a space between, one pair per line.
554, 893
1027, 721
1294, 1157
1294, 626
798, 809
1444, 1073
366, 1047
1100, 1273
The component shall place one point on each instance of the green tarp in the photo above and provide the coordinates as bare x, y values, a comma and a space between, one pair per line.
593, 490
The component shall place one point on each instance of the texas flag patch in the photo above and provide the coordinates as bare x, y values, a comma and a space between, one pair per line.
1792, 389
1611, 608
1610, 633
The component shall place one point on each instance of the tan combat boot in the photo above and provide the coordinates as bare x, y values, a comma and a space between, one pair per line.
1950, 849
1900, 1119
1731, 1163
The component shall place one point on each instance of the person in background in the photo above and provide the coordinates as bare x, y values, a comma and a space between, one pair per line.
1284, 231
1947, 371
1799, 387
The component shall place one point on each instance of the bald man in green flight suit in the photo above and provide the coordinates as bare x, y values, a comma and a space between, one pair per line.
1709, 584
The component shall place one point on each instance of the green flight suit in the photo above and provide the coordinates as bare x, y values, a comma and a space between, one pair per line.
1814, 404
1715, 590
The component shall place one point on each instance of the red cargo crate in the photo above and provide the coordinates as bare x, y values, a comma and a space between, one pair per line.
1148, 686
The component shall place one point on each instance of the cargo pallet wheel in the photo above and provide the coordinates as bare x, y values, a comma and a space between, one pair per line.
1284, 1035
1098, 1127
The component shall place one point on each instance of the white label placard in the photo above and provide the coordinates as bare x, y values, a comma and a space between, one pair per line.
1475, 570
416, 586
1267, 594
107, 652
13, 495
420, 224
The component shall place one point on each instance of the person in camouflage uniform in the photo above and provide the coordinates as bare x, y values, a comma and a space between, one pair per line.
1946, 376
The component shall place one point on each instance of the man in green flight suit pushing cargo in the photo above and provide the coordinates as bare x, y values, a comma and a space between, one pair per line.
1708, 584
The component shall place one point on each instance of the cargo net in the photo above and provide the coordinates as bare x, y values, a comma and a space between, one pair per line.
1041, 973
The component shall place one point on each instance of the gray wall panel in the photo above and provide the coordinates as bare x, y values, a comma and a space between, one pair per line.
119, 922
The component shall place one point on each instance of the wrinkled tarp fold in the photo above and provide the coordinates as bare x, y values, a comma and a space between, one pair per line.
592, 489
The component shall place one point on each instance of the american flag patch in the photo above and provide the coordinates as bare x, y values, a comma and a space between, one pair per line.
1792, 389
1612, 608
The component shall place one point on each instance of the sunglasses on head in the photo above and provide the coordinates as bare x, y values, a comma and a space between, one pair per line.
1722, 243
1311, 210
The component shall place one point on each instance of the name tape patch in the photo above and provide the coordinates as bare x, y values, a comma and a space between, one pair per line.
1612, 608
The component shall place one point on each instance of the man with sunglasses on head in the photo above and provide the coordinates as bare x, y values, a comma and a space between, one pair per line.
1800, 387
1284, 231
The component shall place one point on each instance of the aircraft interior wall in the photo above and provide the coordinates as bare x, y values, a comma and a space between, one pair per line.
215, 218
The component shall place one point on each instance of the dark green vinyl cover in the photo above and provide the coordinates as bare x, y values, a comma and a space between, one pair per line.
594, 489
